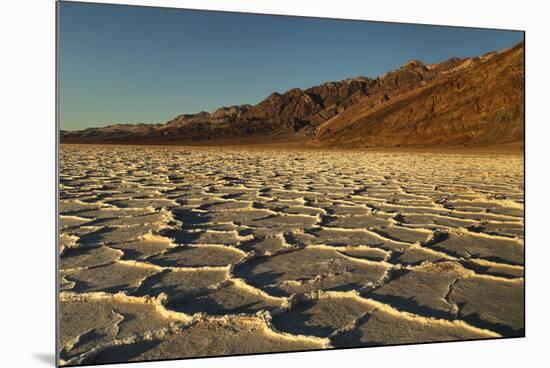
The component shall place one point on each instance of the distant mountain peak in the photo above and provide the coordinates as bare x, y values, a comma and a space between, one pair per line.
412, 64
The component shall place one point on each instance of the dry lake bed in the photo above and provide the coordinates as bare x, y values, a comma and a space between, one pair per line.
173, 252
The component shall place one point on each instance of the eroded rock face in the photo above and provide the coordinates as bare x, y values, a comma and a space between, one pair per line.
461, 102
202, 252
476, 103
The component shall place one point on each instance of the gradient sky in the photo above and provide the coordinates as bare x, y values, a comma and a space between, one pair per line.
125, 64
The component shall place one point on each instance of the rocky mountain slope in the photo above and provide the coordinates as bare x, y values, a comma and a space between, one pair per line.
295, 112
472, 101
476, 102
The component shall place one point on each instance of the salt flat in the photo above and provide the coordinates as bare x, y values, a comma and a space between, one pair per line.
172, 252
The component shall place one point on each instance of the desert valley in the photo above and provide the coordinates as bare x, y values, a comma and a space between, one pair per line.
355, 213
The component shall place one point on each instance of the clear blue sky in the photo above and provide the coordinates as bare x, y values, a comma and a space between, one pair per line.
124, 64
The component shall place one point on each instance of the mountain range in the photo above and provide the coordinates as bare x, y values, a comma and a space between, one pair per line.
469, 102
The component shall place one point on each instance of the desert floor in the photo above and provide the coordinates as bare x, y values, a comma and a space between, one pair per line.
174, 252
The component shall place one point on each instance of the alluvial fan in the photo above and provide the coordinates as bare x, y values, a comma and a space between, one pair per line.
172, 252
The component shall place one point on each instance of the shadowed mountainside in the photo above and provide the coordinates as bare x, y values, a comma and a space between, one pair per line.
461, 102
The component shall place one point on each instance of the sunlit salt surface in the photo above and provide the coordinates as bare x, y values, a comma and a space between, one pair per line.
183, 252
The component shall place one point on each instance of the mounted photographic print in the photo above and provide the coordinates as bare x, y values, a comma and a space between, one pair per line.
237, 183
